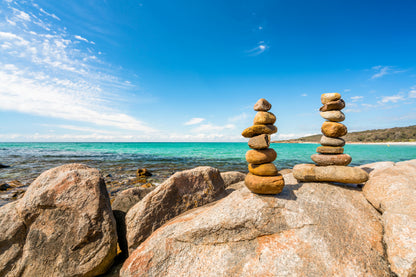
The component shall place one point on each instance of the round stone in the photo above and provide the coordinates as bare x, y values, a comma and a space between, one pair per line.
259, 142
327, 141
259, 129
262, 105
268, 169
330, 150
261, 156
264, 184
328, 97
333, 129
336, 116
333, 105
324, 160
264, 118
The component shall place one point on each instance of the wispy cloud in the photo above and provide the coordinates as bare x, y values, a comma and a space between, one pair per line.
193, 121
212, 128
304, 94
83, 39
356, 98
412, 92
384, 70
393, 98
237, 118
259, 49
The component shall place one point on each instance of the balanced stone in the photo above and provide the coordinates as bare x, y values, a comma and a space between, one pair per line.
258, 130
261, 156
330, 150
328, 97
264, 118
259, 142
327, 141
336, 116
268, 169
331, 173
323, 160
334, 129
333, 105
264, 184
262, 105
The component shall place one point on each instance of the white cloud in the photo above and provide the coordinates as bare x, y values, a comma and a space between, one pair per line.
412, 92
356, 98
212, 128
304, 94
259, 49
83, 39
393, 99
381, 71
22, 15
193, 121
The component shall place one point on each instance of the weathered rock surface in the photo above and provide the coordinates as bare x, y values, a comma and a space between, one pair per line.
339, 159
181, 192
256, 130
374, 167
267, 169
264, 184
261, 156
392, 191
331, 173
63, 226
232, 177
327, 141
309, 229
336, 116
328, 97
330, 150
259, 142
262, 105
264, 118
333, 105
121, 205
333, 129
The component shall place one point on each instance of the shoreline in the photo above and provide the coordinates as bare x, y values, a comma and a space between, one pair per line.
369, 143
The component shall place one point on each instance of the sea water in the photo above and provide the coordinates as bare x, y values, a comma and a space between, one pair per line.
28, 160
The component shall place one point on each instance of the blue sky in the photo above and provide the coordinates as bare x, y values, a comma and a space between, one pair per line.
192, 70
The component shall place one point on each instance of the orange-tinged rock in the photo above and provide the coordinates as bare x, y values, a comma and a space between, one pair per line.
259, 142
268, 169
331, 173
330, 150
261, 156
333, 105
262, 105
264, 184
328, 97
337, 159
334, 129
259, 129
264, 118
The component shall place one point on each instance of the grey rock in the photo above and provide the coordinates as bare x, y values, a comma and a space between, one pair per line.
232, 177
259, 142
327, 141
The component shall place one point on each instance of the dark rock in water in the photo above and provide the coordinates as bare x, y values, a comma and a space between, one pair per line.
143, 172
181, 192
308, 229
5, 186
108, 175
63, 226
121, 205
4, 166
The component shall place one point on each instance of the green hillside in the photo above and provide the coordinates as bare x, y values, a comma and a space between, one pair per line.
397, 134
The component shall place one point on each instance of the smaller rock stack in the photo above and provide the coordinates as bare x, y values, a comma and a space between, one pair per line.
331, 161
263, 176
331, 151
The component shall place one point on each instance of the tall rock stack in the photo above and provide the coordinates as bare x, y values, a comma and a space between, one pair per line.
331, 161
263, 176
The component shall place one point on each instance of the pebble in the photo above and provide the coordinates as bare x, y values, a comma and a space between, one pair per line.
334, 129
330, 150
261, 156
264, 184
328, 97
259, 142
336, 116
338, 159
267, 169
259, 129
327, 141
262, 105
333, 105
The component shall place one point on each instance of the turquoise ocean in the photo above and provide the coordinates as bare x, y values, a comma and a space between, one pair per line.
28, 160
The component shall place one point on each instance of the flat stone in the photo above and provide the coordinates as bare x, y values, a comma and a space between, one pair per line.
337, 159
268, 169
259, 129
261, 156
336, 116
333, 105
330, 150
264, 118
331, 173
264, 184
327, 141
334, 129
328, 97
262, 105
259, 142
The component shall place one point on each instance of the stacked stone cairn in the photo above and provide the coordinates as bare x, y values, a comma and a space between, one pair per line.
331, 161
263, 176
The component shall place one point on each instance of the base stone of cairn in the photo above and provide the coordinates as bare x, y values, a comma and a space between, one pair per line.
331, 163
263, 176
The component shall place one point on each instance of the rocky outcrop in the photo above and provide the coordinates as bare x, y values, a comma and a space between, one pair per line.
392, 190
63, 226
181, 192
232, 177
309, 229
121, 205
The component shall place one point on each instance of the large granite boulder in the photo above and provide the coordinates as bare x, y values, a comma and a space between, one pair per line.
63, 226
121, 205
392, 190
232, 177
181, 192
309, 229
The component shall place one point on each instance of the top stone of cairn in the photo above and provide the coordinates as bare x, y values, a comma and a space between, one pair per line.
328, 97
262, 105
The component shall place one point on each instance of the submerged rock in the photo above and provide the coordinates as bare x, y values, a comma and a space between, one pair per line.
307, 230
63, 226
